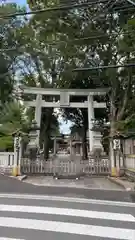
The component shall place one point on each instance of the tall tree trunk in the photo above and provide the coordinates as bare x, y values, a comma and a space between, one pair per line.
45, 133
112, 130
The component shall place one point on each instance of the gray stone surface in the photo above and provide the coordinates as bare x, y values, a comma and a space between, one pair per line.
123, 182
11, 185
6, 170
90, 183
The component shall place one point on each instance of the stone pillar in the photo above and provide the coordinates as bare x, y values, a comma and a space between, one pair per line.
90, 125
71, 153
74, 150
20, 152
38, 110
54, 146
17, 156
115, 150
112, 160
78, 148
15, 151
81, 151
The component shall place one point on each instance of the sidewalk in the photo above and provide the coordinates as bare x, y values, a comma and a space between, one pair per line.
123, 182
85, 183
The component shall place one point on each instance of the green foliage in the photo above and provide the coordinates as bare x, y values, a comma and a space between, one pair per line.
61, 41
12, 118
13, 115
9, 39
6, 143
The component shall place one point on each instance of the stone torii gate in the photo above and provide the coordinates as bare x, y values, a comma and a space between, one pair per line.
64, 102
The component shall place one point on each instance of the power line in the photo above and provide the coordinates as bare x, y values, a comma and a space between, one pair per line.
70, 41
96, 68
63, 8
60, 42
60, 8
104, 67
123, 8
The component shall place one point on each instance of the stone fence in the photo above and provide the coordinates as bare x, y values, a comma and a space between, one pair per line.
129, 163
6, 162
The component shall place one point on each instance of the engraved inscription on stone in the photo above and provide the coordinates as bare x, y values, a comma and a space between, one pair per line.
64, 99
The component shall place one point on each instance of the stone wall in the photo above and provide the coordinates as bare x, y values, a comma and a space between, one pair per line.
6, 170
6, 162
129, 161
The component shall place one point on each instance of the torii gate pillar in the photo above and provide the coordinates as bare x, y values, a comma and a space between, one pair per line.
90, 124
38, 110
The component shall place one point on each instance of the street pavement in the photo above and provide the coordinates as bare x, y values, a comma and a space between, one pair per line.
11, 185
84, 182
32, 217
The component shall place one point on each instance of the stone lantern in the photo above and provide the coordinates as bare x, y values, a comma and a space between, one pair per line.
32, 147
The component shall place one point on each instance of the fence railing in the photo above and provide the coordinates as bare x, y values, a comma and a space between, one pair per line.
129, 162
62, 167
6, 159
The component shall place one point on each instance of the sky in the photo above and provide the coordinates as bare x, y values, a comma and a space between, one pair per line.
22, 2
64, 127
19, 2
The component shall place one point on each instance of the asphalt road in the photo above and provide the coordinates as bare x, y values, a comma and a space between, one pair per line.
10, 185
56, 218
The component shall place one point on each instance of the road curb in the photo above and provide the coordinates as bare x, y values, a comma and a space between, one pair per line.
115, 180
22, 177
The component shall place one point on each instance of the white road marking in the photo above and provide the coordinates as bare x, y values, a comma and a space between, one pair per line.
68, 212
68, 199
73, 228
5, 238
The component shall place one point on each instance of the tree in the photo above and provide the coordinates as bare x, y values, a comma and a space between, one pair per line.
126, 45
9, 40
40, 65
59, 44
12, 118
120, 81
49, 122
61, 28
